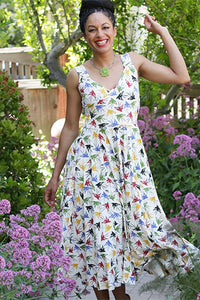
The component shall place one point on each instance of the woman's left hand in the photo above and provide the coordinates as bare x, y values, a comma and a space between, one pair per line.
152, 25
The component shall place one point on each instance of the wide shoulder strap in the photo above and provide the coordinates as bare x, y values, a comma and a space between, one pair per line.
127, 63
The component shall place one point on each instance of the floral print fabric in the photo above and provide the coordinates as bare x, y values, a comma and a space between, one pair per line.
113, 224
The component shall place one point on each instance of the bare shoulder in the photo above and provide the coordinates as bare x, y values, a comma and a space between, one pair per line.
72, 79
137, 59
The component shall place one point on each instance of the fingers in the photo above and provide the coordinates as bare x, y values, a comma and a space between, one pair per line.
50, 198
151, 24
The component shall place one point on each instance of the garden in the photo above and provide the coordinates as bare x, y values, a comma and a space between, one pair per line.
32, 264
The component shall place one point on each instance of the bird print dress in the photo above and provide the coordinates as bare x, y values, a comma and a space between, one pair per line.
113, 224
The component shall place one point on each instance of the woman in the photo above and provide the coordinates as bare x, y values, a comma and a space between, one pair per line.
113, 224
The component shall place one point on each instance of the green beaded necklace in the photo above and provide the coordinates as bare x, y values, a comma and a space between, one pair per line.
105, 70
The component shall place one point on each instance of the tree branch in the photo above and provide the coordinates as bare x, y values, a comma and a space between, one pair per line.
53, 63
39, 28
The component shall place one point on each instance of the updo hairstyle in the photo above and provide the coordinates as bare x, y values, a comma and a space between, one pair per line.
89, 7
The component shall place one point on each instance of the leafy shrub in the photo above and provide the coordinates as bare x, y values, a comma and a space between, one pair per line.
44, 152
173, 153
20, 180
32, 264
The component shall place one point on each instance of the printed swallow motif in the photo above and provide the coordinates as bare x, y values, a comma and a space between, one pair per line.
113, 224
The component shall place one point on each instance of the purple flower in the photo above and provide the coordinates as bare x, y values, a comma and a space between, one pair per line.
3, 227
185, 147
52, 216
177, 195
2, 263
144, 111
66, 263
31, 211
40, 240
26, 289
23, 256
20, 233
42, 262
5, 207
6, 277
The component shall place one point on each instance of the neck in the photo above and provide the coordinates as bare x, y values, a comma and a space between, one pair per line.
103, 60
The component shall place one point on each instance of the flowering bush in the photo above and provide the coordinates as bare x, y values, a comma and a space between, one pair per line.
187, 221
32, 264
173, 153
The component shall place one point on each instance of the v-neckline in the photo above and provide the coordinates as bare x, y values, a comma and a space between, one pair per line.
100, 85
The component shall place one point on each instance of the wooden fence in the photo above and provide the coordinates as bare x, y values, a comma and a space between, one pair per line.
45, 105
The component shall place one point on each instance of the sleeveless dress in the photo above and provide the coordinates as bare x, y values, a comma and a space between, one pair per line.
113, 223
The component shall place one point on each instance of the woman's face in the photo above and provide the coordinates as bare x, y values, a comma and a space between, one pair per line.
99, 32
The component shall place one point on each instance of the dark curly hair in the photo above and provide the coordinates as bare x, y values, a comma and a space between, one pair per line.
88, 7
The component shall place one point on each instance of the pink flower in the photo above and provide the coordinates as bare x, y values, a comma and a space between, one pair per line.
2, 263
198, 296
5, 207
26, 289
23, 256
42, 262
20, 233
177, 195
185, 147
31, 211
6, 277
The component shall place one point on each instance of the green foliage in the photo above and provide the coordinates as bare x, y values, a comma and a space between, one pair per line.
171, 174
10, 34
45, 153
20, 181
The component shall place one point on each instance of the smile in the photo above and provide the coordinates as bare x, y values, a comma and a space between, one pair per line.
102, 43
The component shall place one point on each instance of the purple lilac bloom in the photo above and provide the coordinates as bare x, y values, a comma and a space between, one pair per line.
2, 263
177, 195
40, 275
23, 256
20, 233
52, 216
144, 111
15, 220
25, 273
53, 230
5, 207
191, 131
31, 211
185, 147
191, 208
6, 278
195, 142
9, 265
40, 240
25, 289
3, 227
42, 262
66, 263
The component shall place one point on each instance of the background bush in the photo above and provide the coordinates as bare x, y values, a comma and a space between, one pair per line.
173, 149
20, 179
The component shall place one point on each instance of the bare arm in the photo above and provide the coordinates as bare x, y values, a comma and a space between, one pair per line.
69, 132
177, 72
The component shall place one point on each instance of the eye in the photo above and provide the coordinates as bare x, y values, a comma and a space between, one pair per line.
106, 27
90, 30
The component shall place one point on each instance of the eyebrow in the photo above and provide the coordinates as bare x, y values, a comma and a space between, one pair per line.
102, 24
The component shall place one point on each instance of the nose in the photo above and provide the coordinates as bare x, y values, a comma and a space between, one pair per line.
99, 32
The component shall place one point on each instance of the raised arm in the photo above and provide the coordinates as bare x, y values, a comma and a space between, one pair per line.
177, 72
69, 132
